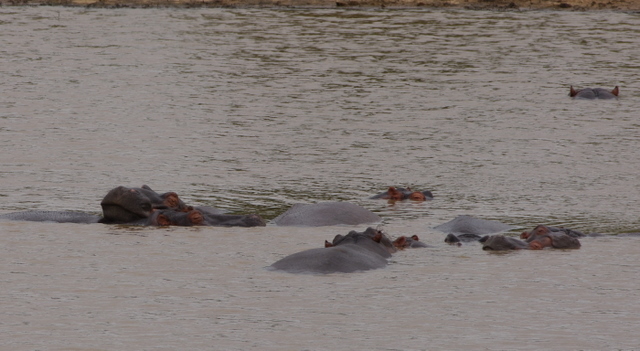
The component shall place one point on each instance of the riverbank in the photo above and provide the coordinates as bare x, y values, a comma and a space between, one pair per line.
571, 5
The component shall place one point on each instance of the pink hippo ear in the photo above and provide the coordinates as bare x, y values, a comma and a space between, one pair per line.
327, 244
400, 242
195, 217
394, 194
415, 237
377, 237
573, 92
163, 220
615, 91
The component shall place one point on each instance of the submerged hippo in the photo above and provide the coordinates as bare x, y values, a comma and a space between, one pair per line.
141, 206
567, 231
326, 214
202, 218
461, 238
537, 239
409, 242
398, 194
466, 228
52, 216
346, 253
597, 93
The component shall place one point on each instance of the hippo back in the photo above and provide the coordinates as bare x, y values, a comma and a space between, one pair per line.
326, 214
469, 225
344, 258
502, 243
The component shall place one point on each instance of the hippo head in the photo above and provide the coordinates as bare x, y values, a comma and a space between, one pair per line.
122, 205
597, 93
502, 243
405, 242
543, 236
371, 239
172, 217
417, 196
395, 194
126, 205
540, 230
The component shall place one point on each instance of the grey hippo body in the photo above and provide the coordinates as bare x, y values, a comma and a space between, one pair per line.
52, 216
326, 214
349, 253
142, 206
595, 93
466, 228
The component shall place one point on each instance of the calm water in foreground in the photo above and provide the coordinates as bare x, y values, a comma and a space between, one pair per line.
255, 110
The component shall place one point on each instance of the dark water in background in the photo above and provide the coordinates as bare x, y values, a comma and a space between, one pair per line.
254, 110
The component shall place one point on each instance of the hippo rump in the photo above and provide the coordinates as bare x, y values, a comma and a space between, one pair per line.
398, 194
466, 228
596, 93
326, 214
142, 206
345, 254
539, 238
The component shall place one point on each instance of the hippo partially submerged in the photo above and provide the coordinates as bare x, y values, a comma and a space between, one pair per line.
346, 253
466, 228
596, 93
326, 214
398, 194
539, 238
142, 206
409, 242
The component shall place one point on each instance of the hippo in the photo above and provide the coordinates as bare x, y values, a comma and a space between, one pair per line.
502, 243
466, 228
202, 218
346, 253
398, 194
52, 216
597, 93
138, 206
326, 214
459, 239
409, 242
537, 239
542, 236
567, 231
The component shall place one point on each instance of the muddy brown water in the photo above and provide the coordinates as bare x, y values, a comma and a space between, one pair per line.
253, 110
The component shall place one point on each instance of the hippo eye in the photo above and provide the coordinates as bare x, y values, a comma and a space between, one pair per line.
146, 207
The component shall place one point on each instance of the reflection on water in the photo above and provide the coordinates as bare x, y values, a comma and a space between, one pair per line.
254, 110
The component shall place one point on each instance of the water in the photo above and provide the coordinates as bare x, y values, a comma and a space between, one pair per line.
254, 110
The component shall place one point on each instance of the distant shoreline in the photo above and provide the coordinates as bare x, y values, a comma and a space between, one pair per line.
568, 5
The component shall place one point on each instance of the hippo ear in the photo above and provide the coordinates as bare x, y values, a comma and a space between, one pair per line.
327, 244
615, 91
378, 237
572, 92
401, 242
145, 186
163, 220
195, 217
415, 237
